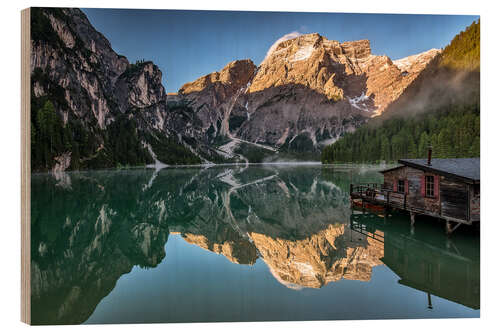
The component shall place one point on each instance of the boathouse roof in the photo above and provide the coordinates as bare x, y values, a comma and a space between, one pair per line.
466, 169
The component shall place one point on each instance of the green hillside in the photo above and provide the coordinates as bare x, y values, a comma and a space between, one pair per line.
463, 53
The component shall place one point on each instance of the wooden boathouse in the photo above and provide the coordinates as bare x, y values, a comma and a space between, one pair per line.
447, 189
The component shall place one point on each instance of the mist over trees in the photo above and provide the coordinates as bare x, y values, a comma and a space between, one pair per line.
452, 133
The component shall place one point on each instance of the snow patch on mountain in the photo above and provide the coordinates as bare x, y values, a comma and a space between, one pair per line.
303, 53
405, 64
228, 148
327, 142
291, 35
360, 102
158, 164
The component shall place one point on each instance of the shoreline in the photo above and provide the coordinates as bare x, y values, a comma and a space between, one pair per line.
206, 166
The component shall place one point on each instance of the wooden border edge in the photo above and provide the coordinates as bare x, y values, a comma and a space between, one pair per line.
25, 166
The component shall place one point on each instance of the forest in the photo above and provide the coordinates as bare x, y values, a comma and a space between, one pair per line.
118, 146
50, 137
454, 132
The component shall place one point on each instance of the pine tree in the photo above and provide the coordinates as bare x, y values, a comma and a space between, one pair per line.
385, 148
423, 145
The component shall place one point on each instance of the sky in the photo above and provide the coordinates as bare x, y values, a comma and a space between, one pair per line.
188, 44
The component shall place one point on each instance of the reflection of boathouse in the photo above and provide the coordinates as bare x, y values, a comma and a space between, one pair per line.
444, 268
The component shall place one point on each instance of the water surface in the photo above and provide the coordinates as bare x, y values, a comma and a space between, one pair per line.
236, 243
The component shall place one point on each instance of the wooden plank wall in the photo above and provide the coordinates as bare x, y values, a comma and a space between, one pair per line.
454, 199
414, 197
475, 200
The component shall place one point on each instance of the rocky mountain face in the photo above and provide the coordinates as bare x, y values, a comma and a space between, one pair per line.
77, 61
307, 92
213, 96
414, 64
91, 108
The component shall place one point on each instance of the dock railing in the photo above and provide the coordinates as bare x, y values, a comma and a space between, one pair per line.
378, 194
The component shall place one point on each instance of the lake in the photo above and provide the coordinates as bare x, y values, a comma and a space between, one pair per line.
237, 243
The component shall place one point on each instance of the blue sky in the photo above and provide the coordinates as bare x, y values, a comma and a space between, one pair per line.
188, 44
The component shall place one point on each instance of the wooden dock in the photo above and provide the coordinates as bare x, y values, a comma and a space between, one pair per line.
376, 194
375, 197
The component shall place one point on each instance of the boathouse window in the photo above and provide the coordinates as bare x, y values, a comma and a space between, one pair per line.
429, 186
401, 186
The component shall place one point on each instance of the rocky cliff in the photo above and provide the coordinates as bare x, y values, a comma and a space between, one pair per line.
92, 108
307, 92
90, 104
414, 64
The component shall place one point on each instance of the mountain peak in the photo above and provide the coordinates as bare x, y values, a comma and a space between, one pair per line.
416, 62
302, 47
235, 74
357, 49
308, 90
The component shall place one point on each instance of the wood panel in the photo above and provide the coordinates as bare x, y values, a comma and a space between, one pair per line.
397, 199
475, 201
25, 167
454, 199
414, 198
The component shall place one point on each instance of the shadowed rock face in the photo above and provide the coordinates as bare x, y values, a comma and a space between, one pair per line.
212, 96
76, 75
96, 90
95, 82
308, 89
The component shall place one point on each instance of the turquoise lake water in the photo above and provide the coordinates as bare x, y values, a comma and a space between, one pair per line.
237, 243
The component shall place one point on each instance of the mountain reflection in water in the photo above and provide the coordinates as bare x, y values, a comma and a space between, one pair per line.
91, 228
